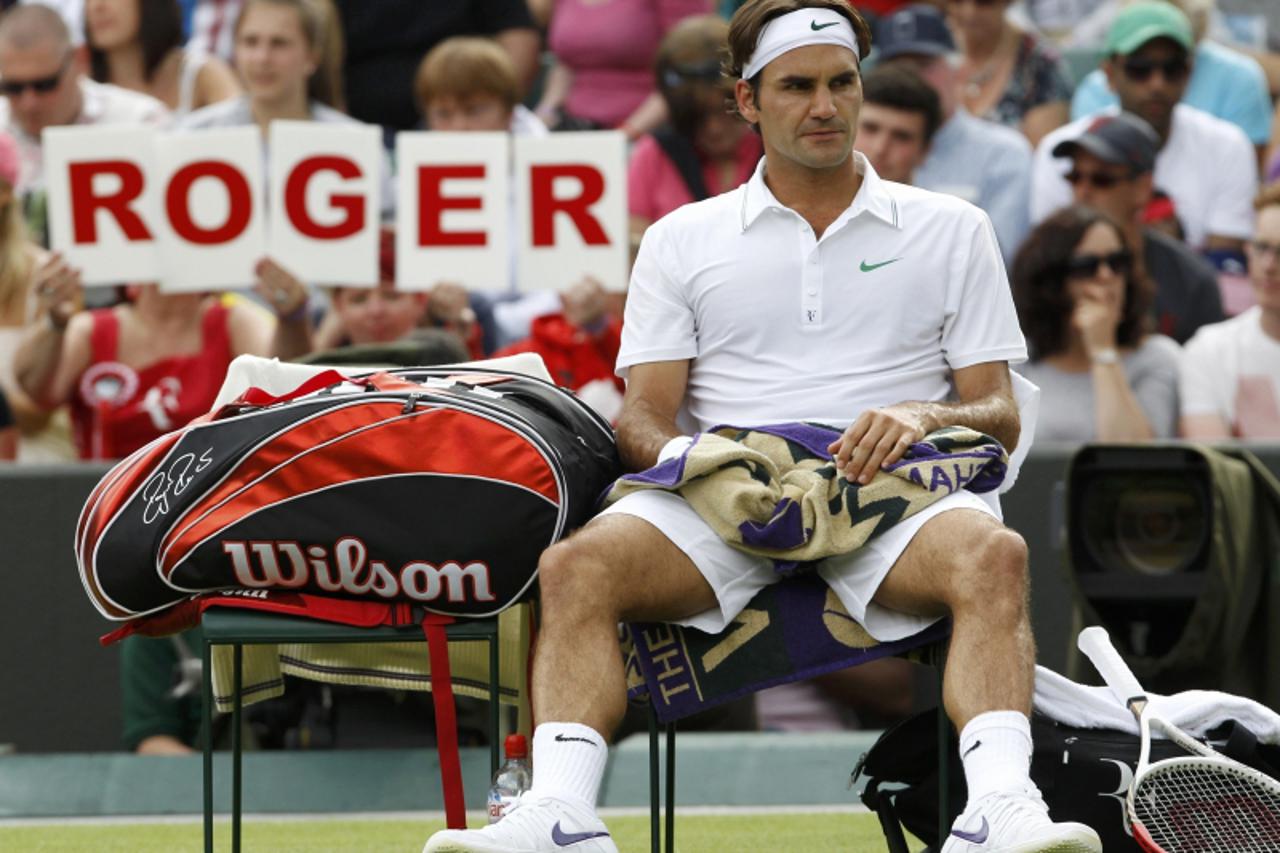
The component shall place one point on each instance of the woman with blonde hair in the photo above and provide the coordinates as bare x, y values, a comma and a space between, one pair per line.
289, 58
288, 54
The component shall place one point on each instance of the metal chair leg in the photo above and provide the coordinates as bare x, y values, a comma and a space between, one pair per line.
655, 838
236, 749
671, 787
495, 703
207, 725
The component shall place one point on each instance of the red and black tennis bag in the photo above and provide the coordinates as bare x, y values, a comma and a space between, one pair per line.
439, 486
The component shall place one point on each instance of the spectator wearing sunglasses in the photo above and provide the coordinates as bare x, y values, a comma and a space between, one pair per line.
984, 163
1223, 82
1149, 48
1111, 170
44, 85
1231, 372
1082, 305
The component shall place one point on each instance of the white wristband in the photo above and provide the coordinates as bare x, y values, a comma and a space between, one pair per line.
1106, 356
675, 447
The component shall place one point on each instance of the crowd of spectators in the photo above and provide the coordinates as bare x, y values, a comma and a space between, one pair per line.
1124, 194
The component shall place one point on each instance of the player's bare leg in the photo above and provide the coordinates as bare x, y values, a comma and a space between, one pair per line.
617, 569
966, 563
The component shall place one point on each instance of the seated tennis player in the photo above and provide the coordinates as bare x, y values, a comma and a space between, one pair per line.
814, 292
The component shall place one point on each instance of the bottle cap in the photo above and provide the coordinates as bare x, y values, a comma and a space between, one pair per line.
516, 746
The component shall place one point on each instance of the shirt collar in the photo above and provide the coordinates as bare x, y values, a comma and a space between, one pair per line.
873, 197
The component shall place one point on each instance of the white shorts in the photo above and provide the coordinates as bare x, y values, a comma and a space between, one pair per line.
736, 576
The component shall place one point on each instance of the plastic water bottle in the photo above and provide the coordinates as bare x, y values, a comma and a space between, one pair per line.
512, 779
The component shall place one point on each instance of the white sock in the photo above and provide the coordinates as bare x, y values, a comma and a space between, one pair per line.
568, 762
996, 750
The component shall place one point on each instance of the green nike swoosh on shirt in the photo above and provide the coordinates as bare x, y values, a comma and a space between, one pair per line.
866, 267
815, 26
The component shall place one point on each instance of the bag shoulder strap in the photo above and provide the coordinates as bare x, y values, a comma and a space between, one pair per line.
455, 810
680, 150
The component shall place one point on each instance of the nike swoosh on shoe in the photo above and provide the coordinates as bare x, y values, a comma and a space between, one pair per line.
978, 837
564, 839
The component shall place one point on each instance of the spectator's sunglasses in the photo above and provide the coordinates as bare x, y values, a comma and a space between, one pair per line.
1086, 266
703, 72
1139, 70
1098, 180
41, 85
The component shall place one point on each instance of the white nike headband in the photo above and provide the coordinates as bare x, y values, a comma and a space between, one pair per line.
800, 29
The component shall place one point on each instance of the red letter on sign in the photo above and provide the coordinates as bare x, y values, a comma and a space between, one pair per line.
545, 204
432, 203
177, 202
85, 205
295, 199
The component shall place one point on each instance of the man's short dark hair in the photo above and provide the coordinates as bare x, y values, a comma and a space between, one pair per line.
899, 87
753, 16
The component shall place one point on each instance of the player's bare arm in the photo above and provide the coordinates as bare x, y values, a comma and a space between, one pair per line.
648, 419
880, 436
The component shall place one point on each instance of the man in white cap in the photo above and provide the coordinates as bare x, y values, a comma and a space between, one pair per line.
814, 292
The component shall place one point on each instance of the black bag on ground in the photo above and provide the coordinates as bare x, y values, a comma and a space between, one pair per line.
1084, 775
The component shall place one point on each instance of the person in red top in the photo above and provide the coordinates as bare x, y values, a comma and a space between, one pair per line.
580, 345
136, 371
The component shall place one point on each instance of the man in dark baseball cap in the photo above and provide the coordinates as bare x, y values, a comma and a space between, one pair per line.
982, 162
1121, 140
1112, 170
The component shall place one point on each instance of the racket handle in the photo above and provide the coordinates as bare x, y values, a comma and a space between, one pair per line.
1096, 645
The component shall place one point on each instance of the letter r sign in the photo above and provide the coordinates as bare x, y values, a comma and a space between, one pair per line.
102, 193
572, 209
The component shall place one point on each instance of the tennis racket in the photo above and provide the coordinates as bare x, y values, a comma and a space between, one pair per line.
1203, 801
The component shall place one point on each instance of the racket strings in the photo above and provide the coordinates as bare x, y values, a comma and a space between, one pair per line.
1199, 808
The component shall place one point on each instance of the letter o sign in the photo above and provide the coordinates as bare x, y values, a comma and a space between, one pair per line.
178, 202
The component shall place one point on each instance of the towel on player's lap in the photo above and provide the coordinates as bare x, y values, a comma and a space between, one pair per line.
1194, 711
774, 491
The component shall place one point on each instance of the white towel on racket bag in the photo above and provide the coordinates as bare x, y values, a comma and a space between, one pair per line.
1194, 711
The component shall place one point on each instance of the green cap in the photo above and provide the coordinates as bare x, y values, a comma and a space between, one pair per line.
1139, 23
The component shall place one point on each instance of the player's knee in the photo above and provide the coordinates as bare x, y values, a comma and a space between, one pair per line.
571, 577
994, 574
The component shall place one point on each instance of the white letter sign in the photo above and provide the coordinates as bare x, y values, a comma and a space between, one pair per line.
455, 206
572, 209
101, 195
325, 182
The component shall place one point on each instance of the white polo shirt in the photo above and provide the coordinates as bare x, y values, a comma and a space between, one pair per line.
903, 288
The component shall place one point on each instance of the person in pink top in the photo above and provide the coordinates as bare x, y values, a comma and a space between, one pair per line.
703, 150
603, 76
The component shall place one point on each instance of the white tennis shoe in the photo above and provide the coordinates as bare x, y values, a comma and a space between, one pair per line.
1016, 823
544, 825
